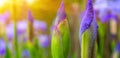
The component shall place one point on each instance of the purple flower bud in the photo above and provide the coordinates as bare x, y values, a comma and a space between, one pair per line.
89, 21
30, 17
81, 15
88, 18
61, 15
44, 41
2, 47
40, 25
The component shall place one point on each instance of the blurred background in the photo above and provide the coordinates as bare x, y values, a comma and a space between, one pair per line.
44, 10
15, 14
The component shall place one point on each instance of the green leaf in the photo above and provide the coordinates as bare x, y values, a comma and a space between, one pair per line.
56, 46
87, 45
65, 32
102, 32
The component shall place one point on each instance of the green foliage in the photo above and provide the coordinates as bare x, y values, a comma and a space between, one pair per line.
56, 46
85, 44
65, 32
8, 53
102, 32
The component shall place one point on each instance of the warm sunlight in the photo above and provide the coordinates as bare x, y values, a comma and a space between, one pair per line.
29, 1
2, 2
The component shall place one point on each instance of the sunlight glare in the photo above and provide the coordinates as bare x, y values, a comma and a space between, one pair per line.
29, 1
2, 2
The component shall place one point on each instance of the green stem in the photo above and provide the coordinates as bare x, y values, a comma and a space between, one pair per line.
87, 45
16, 42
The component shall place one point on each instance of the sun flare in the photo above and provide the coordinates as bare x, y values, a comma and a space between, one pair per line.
2, 2
29, 1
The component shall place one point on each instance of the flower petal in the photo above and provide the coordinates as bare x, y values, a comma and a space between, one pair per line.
21, 27
2, 47
40, 25
44, 41
10, 31
88, 18
61, 15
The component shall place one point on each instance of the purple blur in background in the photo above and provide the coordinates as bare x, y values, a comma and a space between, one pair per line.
44, 41
2, 47
107, 9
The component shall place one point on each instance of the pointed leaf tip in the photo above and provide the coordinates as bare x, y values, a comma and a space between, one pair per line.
88, 18
61, 12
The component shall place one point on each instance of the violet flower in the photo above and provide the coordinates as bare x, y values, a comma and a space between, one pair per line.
44, 41
25, 54
21, 27
10, 31
107, 9
10, 34
88, 20
117, 48
114, 6
61, 14
2, 47
116, 53
40, 25
101, 6
22, 30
